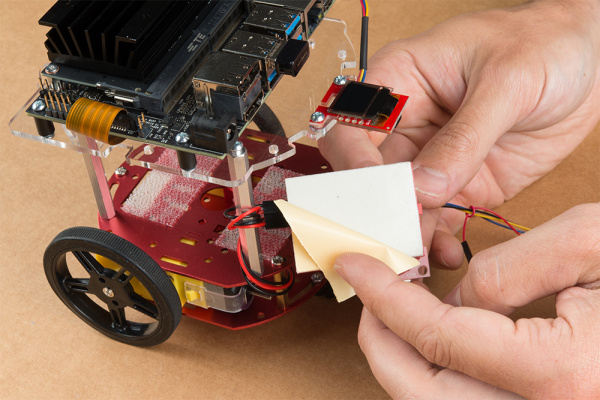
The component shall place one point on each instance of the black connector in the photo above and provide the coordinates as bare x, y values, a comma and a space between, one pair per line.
292, 57
467, 251
274, 219
213, 134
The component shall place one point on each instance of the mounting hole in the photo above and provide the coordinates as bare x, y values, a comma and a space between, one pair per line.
210, 241
217, 199
102, 280
260, 315
113, 189
115, 303
153, 244
324, 166
208, 260
136, 176
422, 270
201, 221
224, 251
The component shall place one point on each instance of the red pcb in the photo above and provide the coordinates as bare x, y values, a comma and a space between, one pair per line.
359, 104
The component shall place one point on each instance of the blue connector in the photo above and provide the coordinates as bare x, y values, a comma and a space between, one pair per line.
293, 25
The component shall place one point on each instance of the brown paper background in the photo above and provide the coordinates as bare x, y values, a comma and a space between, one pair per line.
46, 352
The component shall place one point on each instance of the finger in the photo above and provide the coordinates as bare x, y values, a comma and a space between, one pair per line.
443, 247
404, 144
561, 253
454, 155
405, 374
437, 229
346, 147
397, 148
398, 367
446, 249
480, 343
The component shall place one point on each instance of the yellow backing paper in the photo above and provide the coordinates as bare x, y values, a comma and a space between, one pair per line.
318, 242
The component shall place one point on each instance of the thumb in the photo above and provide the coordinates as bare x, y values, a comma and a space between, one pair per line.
559, 254
455, 154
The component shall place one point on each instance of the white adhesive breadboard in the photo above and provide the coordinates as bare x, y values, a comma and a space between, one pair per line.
379, 202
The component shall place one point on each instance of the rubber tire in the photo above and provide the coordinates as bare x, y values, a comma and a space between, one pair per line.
91, 240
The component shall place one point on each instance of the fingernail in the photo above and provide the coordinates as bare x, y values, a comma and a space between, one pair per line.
338, 268
453, 298
430, 182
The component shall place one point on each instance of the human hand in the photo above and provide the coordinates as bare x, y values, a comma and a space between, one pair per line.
419, 347
497, 99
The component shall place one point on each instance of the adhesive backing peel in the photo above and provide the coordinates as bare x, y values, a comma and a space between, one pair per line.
318, 242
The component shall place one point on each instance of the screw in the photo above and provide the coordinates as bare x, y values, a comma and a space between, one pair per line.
108, 292
238, 148
277, 260
38, 106
51, 69
182, 138
317, 277
317, 117
120, 171
340, 80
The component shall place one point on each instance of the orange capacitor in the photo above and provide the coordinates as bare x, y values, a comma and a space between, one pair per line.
93, 119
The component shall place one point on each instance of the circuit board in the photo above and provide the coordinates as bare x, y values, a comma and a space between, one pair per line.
359, 104
212, 81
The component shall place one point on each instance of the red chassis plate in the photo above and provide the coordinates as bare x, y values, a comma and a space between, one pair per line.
202, 223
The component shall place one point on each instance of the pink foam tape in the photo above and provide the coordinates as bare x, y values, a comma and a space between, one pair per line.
162, 197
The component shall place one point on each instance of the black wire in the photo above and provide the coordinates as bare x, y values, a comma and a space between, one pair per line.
260, 279
467, 250
489, 214
364, 41
266, 121
250, 219
264, 292
227, 214
501, 224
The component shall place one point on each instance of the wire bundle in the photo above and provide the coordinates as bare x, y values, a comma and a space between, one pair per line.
248, 219
490, 216
364, 40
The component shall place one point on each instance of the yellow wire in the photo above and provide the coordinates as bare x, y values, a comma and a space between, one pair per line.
366, 8
495, 219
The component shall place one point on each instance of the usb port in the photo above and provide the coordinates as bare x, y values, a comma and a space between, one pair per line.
273, 20
228, 84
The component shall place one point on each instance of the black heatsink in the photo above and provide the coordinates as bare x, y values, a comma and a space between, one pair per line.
122, 38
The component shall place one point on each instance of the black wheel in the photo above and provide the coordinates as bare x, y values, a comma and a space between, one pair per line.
113, 286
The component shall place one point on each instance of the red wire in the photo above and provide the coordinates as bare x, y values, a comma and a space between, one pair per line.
467, 216
234, 221
473, 209
499, 216
258, 283
364, 9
